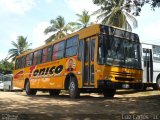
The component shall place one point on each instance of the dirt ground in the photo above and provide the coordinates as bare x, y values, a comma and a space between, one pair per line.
126, 105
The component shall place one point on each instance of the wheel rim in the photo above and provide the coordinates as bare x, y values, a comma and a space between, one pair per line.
72, 87
158, 82
27, 87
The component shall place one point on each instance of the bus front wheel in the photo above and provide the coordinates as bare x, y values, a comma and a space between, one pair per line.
109, 93
29, 91
73, 88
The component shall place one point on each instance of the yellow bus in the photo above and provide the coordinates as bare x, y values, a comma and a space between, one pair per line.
98, 59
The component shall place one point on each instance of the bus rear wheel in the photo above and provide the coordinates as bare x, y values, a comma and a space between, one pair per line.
140, 87
54, 92
156, 86
109, 92
73, 88
29, 91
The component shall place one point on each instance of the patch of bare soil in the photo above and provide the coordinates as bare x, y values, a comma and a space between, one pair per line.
127, 105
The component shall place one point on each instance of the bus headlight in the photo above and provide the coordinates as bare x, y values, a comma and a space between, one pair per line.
139, 80
108, 77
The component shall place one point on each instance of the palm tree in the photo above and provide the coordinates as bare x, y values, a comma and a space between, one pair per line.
58, 27
20, 47
115, 13
83, 21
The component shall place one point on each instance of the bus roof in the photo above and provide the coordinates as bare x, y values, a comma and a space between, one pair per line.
89, 31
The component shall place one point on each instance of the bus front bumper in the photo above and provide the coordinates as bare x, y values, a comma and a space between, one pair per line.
116, 85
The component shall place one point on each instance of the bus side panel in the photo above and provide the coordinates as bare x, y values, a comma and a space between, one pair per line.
156, 70
78, 72
18, 78
52, 75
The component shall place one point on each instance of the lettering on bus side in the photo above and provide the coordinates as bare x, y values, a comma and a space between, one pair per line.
48, 70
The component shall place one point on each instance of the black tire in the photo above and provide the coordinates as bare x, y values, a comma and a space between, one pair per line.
156, 86
9, 88
73, 88
54, 92
109, 93
140, 87
29, 91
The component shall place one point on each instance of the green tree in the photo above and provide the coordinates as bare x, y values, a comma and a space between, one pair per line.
58, 27
140, 3
83, 20
115, 13
6, 67
20, 47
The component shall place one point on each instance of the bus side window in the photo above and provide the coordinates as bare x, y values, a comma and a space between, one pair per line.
80, 50
37, 57
17, 63
92, 49
23, 61
44, 56
156, 53
49, 53
29, 59
71, 46
58, 50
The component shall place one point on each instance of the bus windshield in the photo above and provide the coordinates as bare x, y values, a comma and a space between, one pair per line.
119, 52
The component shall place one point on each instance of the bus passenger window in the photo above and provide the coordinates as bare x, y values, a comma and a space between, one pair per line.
80, 50
29, 59
37, 57
44, 57
18, 61
23, 61
58, 51
49, 53
92, 49
71, 46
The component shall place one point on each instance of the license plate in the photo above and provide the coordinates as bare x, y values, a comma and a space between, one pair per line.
125, 86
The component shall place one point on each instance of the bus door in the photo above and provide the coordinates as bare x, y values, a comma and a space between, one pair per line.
147, 65
88, 62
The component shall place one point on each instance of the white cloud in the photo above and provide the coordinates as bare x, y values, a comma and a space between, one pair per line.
14, 36
151, 34
38, 34
16, 6
3, 55
152, 31
49, 1
79, 5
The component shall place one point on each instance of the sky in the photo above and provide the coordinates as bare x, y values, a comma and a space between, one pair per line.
29, 18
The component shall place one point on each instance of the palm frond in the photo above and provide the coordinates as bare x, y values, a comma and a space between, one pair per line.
114, 12
133, 19
128, 26
52, 37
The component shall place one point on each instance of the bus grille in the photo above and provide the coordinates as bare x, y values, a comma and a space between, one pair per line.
124, 79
